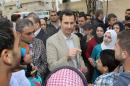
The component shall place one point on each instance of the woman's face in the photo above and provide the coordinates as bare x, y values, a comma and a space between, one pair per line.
107, 38
116, 28
100, 32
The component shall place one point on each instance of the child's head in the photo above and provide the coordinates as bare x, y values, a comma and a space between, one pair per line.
107, 61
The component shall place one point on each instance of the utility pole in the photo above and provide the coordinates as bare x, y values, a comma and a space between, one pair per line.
2, 3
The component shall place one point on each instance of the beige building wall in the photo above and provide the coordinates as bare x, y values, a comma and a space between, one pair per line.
79, 6
118, 7
115, 6
27, 6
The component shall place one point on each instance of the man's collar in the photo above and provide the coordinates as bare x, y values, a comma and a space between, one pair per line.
65, 37
37, 32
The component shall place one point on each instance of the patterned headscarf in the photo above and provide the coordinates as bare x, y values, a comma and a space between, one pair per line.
66, 76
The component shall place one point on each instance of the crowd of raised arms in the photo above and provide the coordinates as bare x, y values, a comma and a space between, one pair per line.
67, 49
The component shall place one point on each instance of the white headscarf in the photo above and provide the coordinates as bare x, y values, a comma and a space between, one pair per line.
111, 45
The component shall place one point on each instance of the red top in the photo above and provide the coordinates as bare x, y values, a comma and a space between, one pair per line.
90, 45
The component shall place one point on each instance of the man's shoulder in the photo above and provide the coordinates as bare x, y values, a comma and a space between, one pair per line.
108, 75
74, 35
37, 41
52, 38
106, 79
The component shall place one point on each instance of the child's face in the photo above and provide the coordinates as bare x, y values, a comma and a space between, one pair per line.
100, 66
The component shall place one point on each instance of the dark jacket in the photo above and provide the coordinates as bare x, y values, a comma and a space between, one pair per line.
42, 35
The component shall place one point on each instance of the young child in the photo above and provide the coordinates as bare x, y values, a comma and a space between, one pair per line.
107, 62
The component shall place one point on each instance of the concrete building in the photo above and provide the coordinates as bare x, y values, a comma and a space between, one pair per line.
114, 6
79, 5
117, 6
26, 6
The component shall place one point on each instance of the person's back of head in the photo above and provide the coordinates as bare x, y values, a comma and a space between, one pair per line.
66, 76
14, 17
9, 51
6, 35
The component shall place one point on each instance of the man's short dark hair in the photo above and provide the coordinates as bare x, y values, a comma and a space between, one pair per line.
127, 9
82, 15
6, 34
112, 15
35, 17
107, 58
20, 24
98, 13
52, 11
15, 17
124, 40
67, 13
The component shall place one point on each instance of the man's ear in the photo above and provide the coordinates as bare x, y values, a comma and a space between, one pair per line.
125, 54
6, 57
38, 25
106, 69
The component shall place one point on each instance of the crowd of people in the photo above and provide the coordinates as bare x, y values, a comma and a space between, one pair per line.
68, 49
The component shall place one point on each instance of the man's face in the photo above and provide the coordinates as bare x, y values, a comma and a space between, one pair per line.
27, 34
43, 24
127, 13
67, 24
118, 52
107, 38
81, 21
99, 32
112, 21
88, 19
53, 16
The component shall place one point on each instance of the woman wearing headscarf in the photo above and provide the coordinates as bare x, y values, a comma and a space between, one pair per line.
109, 41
